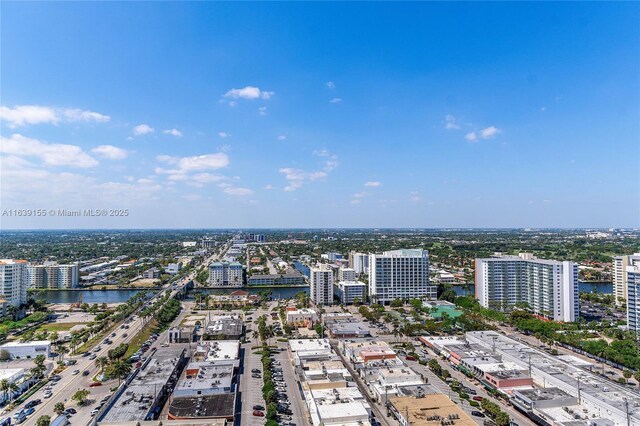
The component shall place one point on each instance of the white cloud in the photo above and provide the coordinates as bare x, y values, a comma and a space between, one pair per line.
173, 132
192, 170
224, 135
22, 115
142, 129
110, 152
248, 92
50, 153
237, 191
355, 201
207, 178
262, 110
282, 137
80, 115
373, 183
471, 137
360, 194
331, 85
489, 132
268, 186
28, 114
450, 122
335, 100
298, 177
486, 133
415, 196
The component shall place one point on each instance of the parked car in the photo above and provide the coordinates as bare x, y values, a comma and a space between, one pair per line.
94, 356
477, 413
256, 370
411, 358
478, 398
32, 403
70, 411
95, 384
258, 413
258, 407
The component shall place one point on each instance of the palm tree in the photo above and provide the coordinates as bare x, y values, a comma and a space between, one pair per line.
4, 387
119, 369
13, 389
58, 408
101, 363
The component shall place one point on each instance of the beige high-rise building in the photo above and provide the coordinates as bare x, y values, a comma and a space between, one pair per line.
620, 266
13, 281
321, 278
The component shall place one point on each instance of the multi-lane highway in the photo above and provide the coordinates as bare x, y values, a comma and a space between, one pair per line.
69, 383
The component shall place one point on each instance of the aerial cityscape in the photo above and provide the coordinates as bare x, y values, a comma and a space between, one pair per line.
320, 213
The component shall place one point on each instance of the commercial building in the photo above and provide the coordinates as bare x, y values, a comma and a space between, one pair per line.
348, 292
599, 398
13, 281
359, 262
549, 288
321, 278
145, 393
305, 350
225, 274
400, 274
24, 350
290, 278
329, 390
301, 317
151, 274
429, 410
235, 298
173, 268
209, 244
182, 334
620, 266
224, 327
632, 283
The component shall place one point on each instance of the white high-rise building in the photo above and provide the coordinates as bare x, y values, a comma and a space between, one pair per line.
13, 281
548, 287
346, 274
620, 265
400, 274
321, 278
359, 262
52, 276
225, 274
633, 298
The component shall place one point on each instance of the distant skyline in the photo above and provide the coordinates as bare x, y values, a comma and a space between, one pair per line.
321, 115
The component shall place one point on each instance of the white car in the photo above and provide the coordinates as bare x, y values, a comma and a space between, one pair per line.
48, 394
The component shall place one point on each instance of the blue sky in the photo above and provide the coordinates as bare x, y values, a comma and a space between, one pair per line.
322, 114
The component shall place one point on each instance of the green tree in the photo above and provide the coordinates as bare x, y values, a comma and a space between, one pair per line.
502, 419
119, 369
627, 375
58, 408
81, 396
43, 421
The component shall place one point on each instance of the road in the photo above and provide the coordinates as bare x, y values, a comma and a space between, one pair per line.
70, 383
